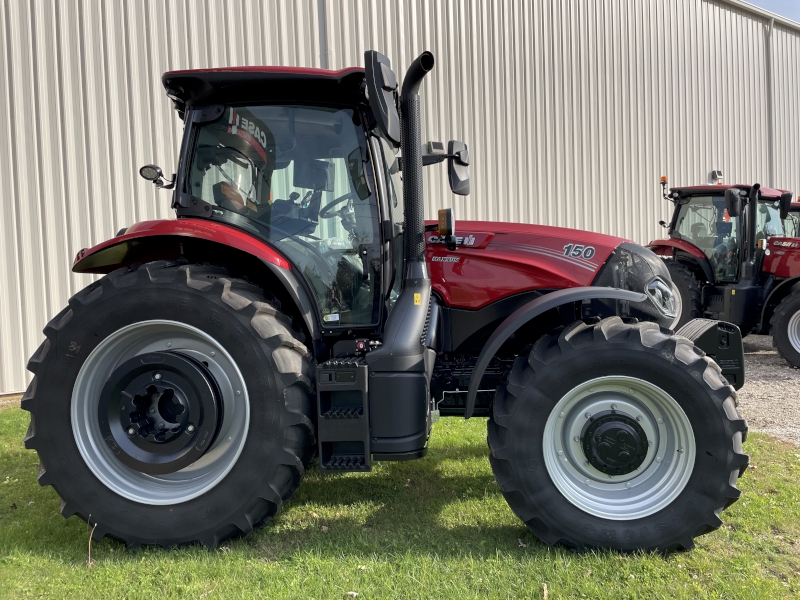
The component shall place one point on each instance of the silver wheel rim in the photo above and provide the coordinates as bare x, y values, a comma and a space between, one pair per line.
678, 306
200, 476
659, 479
793, 331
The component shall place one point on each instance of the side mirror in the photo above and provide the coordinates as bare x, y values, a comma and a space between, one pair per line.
458, 167
733, 202
153, 173
355, 165
382, 90
786, 204
447, 228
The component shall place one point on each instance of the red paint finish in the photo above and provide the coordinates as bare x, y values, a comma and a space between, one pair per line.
193, 228
783, 260
509, 258
667, 247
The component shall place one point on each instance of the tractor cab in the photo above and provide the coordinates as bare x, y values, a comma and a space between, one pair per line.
727, 225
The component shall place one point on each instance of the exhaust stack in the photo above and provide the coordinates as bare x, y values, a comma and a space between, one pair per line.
411, 143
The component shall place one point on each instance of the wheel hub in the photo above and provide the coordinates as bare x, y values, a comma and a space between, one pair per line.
614, 443
160, 411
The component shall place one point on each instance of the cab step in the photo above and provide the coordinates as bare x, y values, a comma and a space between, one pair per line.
343, 408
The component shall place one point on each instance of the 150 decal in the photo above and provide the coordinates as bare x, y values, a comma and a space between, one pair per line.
579, 251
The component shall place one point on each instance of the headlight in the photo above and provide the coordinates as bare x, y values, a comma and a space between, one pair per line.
662, 296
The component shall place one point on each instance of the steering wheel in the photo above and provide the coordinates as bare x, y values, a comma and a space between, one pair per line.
326, 213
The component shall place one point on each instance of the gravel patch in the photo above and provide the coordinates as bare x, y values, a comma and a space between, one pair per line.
6, 401
770, 398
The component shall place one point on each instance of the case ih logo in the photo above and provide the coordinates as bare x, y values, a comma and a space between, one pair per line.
786, 244
461, 241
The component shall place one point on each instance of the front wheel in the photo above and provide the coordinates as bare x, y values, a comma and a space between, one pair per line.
617, 436
171, 403
785, 329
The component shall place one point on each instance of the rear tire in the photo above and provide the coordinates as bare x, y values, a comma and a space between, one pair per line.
651, 504
261, 370
688, 289
785, 329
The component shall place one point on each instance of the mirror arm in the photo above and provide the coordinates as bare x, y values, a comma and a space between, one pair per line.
165, 184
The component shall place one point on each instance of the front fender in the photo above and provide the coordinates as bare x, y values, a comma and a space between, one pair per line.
671, 247
527, 313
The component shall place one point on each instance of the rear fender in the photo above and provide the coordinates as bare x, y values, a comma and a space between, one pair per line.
527, 313
204, 241
684, 252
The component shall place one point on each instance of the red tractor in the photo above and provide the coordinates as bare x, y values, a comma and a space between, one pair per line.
731, 259
299, 308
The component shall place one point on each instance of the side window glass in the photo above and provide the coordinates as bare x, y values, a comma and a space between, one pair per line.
296, 174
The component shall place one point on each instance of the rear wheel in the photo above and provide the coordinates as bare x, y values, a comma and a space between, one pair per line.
171, 404
688, 292
618, 436
785, 329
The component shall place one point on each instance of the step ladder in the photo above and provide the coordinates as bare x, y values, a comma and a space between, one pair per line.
343, 424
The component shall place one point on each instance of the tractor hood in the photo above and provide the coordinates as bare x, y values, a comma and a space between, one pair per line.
494, 261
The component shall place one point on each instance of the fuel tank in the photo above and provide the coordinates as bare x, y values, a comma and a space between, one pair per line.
782, 257
495, 260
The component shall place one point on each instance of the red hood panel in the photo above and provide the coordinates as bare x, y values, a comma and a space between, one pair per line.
496, 260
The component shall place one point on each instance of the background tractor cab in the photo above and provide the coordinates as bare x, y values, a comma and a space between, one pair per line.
791, 224
731, 257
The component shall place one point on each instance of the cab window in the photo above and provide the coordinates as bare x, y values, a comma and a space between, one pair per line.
296, 176
704, 222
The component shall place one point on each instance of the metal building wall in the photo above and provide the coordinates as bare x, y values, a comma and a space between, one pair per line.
572, 110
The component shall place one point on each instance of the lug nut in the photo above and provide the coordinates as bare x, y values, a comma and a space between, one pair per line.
157, 376
562, 415
613, 407
680, 449
561, 453
639, 418
212, 353
658, 459
650, 443
627, 485
151, 411
587, 415
190, 428
576, 439
131, 431
660, 420
169, 344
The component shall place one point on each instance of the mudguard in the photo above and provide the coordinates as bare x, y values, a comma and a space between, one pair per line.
529, 312
154, 240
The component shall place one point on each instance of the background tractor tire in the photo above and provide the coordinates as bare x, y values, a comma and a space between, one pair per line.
263, 376
688, 289
785, 329
642, 374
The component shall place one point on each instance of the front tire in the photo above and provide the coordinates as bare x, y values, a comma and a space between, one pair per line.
214, 453
688, 291
651, 466
785, 329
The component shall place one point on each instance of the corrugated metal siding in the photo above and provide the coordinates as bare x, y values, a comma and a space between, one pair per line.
572, 110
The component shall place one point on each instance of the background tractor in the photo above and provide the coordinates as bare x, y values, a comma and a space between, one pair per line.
300, 308
731, 258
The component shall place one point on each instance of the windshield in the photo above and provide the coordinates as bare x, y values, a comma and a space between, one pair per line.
299, 177
705, 223
768, 220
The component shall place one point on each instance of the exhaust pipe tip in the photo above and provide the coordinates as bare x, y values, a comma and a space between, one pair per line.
417, 70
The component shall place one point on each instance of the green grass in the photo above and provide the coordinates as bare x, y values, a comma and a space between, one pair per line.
435, 528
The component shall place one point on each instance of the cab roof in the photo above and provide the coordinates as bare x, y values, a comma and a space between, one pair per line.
694, 190
243, 85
